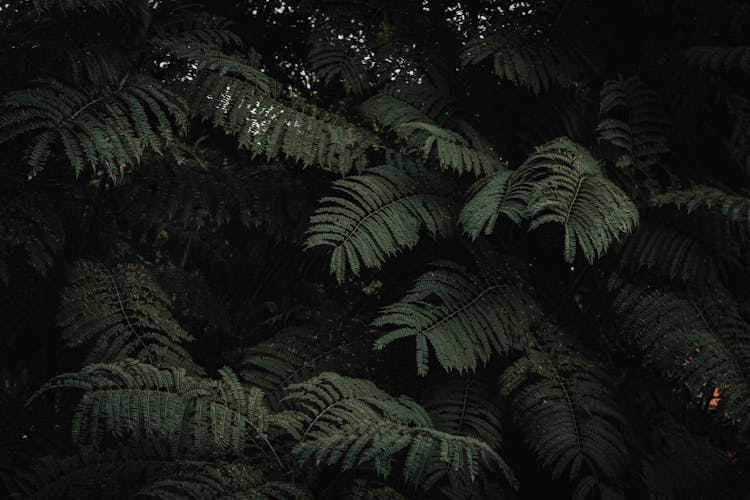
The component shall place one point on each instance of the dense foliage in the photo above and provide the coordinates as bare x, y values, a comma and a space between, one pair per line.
375, 249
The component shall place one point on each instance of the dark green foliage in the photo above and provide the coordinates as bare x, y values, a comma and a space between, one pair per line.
462, 318
224, 224
554, 387
384, 211
120, 314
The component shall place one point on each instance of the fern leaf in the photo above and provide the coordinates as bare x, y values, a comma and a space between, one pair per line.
463, 318
691, 343
104, 128
568, 416
351, 422
337, 62
383, 213
642, 136
734, 208
569, 189
453, 151
121, 314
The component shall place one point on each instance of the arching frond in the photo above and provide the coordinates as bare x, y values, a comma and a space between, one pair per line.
121, 313
634, 121
463, 318
266, 126
133, 400
659, 248
453, 151
504, 193
338, 62
384, 211
734, 208
105, 128
350, 422
570, 190
566, 410
694, 343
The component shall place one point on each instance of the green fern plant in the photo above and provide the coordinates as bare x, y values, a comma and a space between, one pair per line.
691, 342
642, 135
559, 183
336, 62
383, 212
350, 422
563, 403
103, 128
733, 208
121, 313
464, 319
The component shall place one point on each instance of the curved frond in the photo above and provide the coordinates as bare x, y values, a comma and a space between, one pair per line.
384, 211
563, 403
734, 208
642, 134
350, 422
104, 128
336, 62
703, 346
121, 313
464, 319
504, 193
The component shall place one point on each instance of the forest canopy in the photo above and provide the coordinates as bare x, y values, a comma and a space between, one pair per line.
374, 250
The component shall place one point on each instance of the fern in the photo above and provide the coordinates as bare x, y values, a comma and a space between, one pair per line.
734, 208
132, 400
568, 416
642, 135
453, 151
351, 422
661, 249
121, 314
383, 212
559, 183
107, 129
463, 318
692, 343
336, 62
266, 126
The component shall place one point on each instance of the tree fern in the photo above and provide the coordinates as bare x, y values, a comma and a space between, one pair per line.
104, 128
383, 212
642, 134
734, 208
120, 314
351, 422
693, 343
463, 318
566, 410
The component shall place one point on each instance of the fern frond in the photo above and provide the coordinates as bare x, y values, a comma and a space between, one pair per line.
671, 253
266, 126
337, 62
569, 189
383, 213
140, 402
350, 422
566, 410
463, 318
120, 314
642, 134
107, 129
695, 344
718, 59
504, 193
454, 152
734, 208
